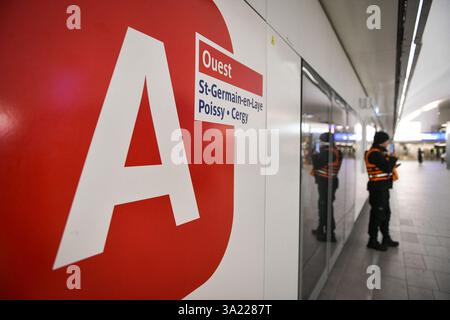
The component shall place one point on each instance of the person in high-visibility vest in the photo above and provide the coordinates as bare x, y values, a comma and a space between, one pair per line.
380, 168
326, 165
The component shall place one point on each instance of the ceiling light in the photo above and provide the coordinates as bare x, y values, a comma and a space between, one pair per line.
310, 76
410, 60
431, 106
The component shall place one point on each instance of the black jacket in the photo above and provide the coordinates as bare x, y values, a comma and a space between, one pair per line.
384, 164
322, 159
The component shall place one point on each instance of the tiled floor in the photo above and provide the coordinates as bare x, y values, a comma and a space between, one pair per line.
420, 267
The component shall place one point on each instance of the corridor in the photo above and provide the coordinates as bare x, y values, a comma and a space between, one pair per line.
420, 267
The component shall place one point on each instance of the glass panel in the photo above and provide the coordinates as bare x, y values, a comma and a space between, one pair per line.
315, 121
338, 183
350, 152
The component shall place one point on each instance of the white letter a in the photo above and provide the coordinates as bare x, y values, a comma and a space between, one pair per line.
105, 181
74, 20
374, 20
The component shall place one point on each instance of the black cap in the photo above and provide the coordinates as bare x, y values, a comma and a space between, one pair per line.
380, 137
326, 137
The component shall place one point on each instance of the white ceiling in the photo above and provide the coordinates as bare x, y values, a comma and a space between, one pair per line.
372, 52
431, 78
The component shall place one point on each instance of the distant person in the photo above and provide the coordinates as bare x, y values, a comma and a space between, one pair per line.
420, 155
326, 167
380, 166
432, 154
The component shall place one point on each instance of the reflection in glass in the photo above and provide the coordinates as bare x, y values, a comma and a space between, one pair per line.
315, 121
338, 186
326, 166
330, 135
350, 149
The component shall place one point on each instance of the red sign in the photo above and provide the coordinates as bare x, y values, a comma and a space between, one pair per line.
52, 88
218, 65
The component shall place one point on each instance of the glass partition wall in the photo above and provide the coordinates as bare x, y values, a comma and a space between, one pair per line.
338, 190
315, 121
327, 180
350, 147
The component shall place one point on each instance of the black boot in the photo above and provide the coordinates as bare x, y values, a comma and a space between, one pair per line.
321, 236
374, 244
318, 230
388, 242
333, 238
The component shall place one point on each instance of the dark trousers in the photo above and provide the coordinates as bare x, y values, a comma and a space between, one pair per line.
322, 185
380, 213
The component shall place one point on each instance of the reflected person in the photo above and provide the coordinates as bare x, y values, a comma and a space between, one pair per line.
326, 165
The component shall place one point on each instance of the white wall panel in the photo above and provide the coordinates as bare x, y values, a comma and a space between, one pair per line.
240, 274
283, 189
260, 6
